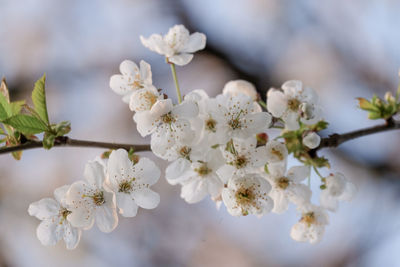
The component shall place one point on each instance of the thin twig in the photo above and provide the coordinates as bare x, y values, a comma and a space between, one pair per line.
65, 141
335, 140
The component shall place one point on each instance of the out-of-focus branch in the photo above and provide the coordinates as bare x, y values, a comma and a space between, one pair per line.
65, 141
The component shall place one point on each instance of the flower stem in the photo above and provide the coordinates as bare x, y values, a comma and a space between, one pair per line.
178, 91
263, 104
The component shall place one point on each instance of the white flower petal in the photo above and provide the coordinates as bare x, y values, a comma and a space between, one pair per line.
71, 236
291, 120
126, 204
49, 232
146, 171
94, 174
145, 73
276, 102
181, 59
128, 68
194, 191
60, 193
146, 198
44, 208
187, 109
106, 218
156, 44
258, 122
197, 41
175, 170
292, 88
298, 173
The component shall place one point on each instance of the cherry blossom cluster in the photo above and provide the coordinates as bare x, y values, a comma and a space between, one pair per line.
118, 183
224, 147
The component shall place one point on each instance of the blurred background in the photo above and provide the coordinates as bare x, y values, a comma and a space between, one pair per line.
343, 49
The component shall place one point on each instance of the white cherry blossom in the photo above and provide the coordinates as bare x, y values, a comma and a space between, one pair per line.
198, 177
177, 45
168, 125
89, 201
241, 156
337, 188
131, 182
144, 99
54, 225
311, 226
247, 194
311, 140
287, 186
294, 103
131, 79
209, 123
240, 117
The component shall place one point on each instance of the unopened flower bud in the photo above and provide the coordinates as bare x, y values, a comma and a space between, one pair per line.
236, 87
311, 140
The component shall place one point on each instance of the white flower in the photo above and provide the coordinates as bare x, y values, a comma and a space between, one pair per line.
177, 45
247, 195
131, 79
276, 151
54, 225
144, 99
89, 201
208, 125
294, 103
131, 183
197, 177
338, 188
168, 124
233, 88
311, 140
287, 187
241, 156
311, 226
240, 117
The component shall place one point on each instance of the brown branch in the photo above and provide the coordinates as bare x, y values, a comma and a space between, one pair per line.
64, 141
335, 140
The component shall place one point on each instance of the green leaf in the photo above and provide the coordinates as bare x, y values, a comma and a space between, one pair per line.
39, 99
5, 109
366, 105
4, 89
26, 124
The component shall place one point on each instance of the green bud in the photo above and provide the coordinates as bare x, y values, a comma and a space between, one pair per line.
48, 140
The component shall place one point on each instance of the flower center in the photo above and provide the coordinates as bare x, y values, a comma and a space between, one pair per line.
277, 153
245, 197
308, 218
64, 213
150, 98
98, 198
240, 162
293, 104
136, 82
184, 152
168, 118
126, 186
203, 170
282, 183
210, 125
235, 123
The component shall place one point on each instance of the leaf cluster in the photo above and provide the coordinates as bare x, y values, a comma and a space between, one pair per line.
21, 122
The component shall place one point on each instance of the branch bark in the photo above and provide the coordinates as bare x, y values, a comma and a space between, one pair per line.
64, 141
335, 140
